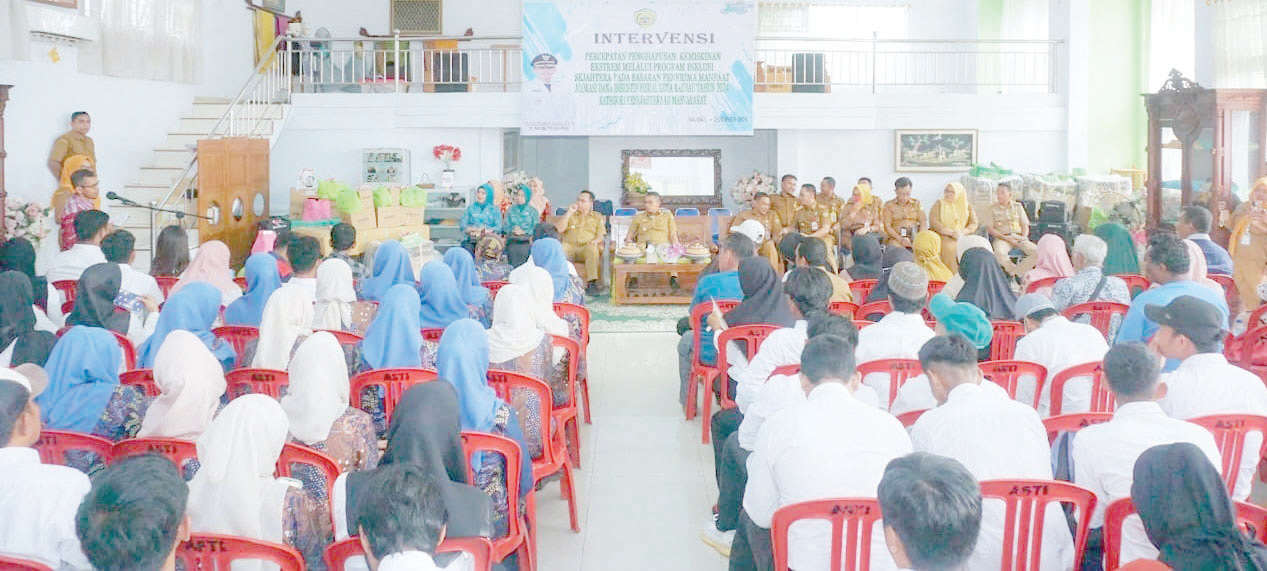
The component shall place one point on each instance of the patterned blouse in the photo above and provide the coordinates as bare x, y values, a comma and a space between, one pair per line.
248, 353
372, 398
1079, 287
482, 312
523, 217
351, 443
120, 420
575, 292
306, 527
492, 270
491, 474
537, 364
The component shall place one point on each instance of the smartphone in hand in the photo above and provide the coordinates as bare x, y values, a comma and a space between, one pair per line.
129, 301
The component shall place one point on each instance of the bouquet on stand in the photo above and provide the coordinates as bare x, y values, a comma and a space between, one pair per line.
30, 220
447, 154
747, 187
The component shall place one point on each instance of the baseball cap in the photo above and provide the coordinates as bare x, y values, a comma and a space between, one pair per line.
752, 229
1190, 316
545, 59
908, 281
1031, 302
962, 318
32, 377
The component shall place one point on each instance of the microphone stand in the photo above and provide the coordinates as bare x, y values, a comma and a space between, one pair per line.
154, 210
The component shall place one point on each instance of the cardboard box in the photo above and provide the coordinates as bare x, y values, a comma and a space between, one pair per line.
297, 198
397, 216
321, 233
365, 218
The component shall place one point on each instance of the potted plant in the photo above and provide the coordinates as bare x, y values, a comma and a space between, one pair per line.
447, 154
636, 189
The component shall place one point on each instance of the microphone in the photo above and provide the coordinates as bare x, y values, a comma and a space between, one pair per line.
112, 195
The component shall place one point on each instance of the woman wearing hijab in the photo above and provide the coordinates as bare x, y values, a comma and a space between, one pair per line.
547, 253
927, 250
393, 341
335, 296
986, 286
234, 491
1247, 245
17, 254
211, 265
475, 295
966, 243
866, 258
1188, 514
489, 266
391, 267
94, 305
892, 255
541, 286
1053, 262
462, 361
286, 324
20, 342
190, 384
763, 303
520, 222
1198, 268
481, 217
262, 279
441, 302
861, 214
518, 345
84, 394
952, 217
192, 309
1122, 258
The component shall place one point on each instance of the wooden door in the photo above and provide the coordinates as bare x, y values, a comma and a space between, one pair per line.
232, 173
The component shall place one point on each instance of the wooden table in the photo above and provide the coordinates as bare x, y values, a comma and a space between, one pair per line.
653, 283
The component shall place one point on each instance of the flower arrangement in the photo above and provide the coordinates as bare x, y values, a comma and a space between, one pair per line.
30, 220
516, 178
745, 188
448, 154
635, 184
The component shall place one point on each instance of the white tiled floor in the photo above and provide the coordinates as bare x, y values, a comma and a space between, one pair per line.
646, 481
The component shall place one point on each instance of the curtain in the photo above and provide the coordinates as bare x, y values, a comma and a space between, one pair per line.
1240, 44
1171, 41
149, 39
13, 18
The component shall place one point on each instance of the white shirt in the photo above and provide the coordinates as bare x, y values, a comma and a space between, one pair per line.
139, 283
408, 561
995, 438
308, 284
895, 336
1104, 461
69, 264
778, 393
782, 347
915, 395
1206, 384
1058, 344
38, 503
831, 445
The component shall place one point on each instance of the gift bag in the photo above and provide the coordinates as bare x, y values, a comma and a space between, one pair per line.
316, 209
383, 197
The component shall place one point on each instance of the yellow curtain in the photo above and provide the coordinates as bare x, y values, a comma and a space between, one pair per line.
265, 34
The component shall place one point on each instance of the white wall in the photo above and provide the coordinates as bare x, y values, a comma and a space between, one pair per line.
228, 54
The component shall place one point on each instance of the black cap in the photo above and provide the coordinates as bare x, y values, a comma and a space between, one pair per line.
545, 59
1190, 316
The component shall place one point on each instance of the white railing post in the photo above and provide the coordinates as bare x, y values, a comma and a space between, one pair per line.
875, 61
396, 60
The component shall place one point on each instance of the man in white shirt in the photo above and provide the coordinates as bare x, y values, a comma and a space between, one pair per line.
1104, 454
140, 497
1056, 343
901, 333
932, 512
1205, 383
832, 445
995, 437
402, 519
119, 248
37, 501
91, 227
953, 317
304, 253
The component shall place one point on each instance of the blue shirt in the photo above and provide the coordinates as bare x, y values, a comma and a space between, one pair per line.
720, 285
1137, 327
1217, 260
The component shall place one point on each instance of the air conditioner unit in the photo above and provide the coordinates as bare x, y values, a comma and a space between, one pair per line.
416, 16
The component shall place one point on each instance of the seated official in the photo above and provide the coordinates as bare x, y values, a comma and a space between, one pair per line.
772, 227
1056, 343
932, 510
902, 218
1009, 229
954, 218
785, 203
811, 220
581, 230
860, 215
653, 225
134, 515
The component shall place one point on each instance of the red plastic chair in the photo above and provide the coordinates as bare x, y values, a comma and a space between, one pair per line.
1229, 432
67, 307
165, 284
299, 454
129, 352
862, 288
1027, 502
1039, 284
1101, 313
749, 336
237, 336
432, 334
908, 418
1251, 518
785, 370
875, 310
67, 289
582, 315
898, 370
1003, 343
1250, 343
512, 388
1008, 374
1073, 422
852, 520
215, 551
54, 444
481, 549
860, 323
17, 564
1135, 283
1102, 400
701, 374
516, 538
393, 382
142, 379
1230, 292
494, 287
935, 287
567, 415
262, 381
843, 308
344, 337
180, 452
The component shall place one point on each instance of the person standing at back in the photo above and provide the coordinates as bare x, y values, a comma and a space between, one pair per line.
581, 231
1194, 224
73, 142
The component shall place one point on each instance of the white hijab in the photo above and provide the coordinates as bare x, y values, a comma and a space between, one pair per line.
955, 283
318, 393
541, 285
191, 381
514, 331
287, 315
234, 491
335, 295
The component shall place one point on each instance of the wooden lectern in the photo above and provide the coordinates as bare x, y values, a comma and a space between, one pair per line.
232, 191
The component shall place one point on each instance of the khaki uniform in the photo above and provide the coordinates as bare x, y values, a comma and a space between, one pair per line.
1249, 258
853, 223
773, 227
785, 206
836, 206
578, 238
1011, 220
810, 220
72, 143
655, 228
897, 217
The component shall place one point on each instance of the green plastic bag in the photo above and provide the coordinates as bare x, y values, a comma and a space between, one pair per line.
1098, 217
383, 197
413, 196
329, 189
349, 201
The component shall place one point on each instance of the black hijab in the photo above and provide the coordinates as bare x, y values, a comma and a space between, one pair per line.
94, 299
763, 299
866, 258
425, 431
17, 322
1187, 512
18, 254
892, 255
985, 285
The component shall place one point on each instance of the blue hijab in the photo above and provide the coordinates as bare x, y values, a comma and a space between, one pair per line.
483, 214
441, 302
194, 309
463, 265
262, 279
462, 360
394, 338
391, 267
547, 253
83, 371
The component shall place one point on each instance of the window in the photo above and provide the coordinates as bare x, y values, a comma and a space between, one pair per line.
416, 16
828, 20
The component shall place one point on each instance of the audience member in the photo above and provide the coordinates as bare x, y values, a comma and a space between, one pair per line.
891, 257
342, 240
211, 265
83, 198
74, 142
763, 304
1009, 228
84, 394
441, 302
18, 255
519, 223
95, 305
274, 237
1197, 271
192, 309
91, 227
1121, 256
581, 230
262, 279
977, 423
966, 243
902, 219
547, 253
66, 188
867, 256
1056, 343
190, 383
1194, 224
45, 495
812, 253
1248, 244
393, 340
517, 344
958, 318
20, 340
134, 515
952, 217
489, 266
286, 323
1053, 262
722, 284
1090, 282
1104, 454
391, 267
304, 253
402, 519
901, 332
985, 285
171, 255
476, 296
541, 284
927, 250
480, 218
119, 248
770, 226
336, 292
932, 510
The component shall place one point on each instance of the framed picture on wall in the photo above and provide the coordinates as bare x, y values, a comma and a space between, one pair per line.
385, 166
934, 150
